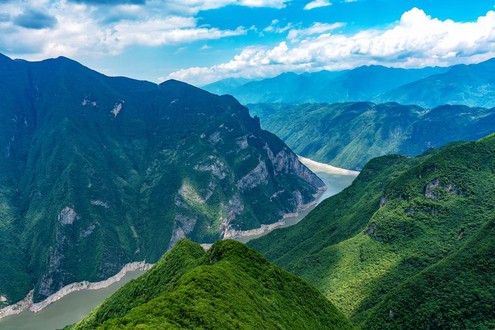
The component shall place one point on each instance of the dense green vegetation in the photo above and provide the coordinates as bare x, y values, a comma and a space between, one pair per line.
350, 134
408, 245
97, 172
228, 287
360, 84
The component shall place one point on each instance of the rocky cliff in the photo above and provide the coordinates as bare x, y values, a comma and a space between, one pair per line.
97, 172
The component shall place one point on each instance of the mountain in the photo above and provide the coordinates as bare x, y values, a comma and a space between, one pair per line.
97, 172
348, 135
228, 287
409, 245
360, 84
220, 86
471, 85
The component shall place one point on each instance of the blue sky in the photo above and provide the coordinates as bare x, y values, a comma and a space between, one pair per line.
201, 41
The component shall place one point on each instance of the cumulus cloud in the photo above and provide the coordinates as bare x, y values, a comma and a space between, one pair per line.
317, 4
417, 40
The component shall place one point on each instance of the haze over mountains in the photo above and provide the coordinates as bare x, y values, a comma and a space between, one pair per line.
97, 172
471, 85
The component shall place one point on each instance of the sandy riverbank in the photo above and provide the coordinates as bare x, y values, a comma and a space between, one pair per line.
28, 304
322, 167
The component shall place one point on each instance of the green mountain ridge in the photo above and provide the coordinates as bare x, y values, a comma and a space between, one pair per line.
407, 246
98, 172
228, 287
348, 135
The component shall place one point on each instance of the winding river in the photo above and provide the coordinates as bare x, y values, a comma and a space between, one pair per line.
76, 305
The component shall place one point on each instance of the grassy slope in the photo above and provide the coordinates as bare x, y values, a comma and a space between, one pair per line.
418, 256
228, 287
350, 134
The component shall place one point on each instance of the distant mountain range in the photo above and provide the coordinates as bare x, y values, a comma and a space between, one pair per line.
228, 287
471, 85
409, 245
96, 172
350, 134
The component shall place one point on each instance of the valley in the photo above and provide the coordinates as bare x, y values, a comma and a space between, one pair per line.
406, 245
247, 164
64, 311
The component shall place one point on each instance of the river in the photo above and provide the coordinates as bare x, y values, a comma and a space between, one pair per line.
336, 179
76, 305
70, 309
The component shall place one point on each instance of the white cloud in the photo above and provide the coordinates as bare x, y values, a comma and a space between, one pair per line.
85, 28
417, 40
317, 4
316, 28
274, 27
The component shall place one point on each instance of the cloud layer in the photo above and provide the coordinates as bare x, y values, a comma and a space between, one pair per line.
39, 29
417, 40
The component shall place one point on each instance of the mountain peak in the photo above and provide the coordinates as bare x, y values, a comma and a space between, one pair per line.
228, 287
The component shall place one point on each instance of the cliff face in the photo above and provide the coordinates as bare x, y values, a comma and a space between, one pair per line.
98, 172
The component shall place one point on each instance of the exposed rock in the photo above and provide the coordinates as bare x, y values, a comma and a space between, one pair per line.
433, 189
276, 194
99, 203
214, 165
189, 194
117, 108
88, 231
383, 201
287, 162
242, 142
183, 225
215, 138
187, 223
233, 209
372, 232
67, 216
429, 193
258, 176
298, 200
